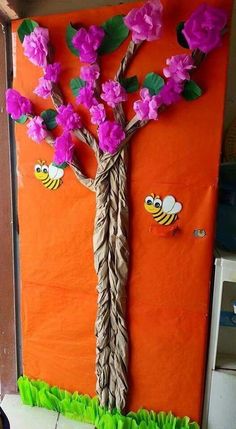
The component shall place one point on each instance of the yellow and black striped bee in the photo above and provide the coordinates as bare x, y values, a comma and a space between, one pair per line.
50, 176
164, 212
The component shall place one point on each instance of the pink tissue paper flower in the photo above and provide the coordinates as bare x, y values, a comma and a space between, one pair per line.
147, 107
17, 105
86, 97
170, 93
98, 114
203, 29
113, 93
52, 72
36, 46
44, 88
145, 22
179, 67
67, 118
36, 129
90, 73
87, 42
64, 149
110, 135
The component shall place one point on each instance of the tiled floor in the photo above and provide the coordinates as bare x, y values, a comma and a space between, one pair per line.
24, 417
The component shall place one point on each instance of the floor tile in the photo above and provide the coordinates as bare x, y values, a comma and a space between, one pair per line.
24, 417
64, 423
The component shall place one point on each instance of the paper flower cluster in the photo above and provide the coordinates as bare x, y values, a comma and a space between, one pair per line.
98, 114
36, 129
36, 46
113, 93
147, 107
86, 97
17, 105
110, 135
64, 148
145, 23
67, 118
203, 30
90, 74
51, 75
52, 72
87, 42
178, 67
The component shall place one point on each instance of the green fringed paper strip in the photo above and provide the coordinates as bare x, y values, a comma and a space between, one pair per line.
86, 409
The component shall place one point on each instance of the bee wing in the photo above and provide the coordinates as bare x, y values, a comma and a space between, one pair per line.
55, 172
170, 206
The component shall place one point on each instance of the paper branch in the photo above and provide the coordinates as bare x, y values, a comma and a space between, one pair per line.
83, 179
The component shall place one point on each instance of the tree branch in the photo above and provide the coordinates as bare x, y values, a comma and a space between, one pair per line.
83, 134
125, 62
86, 181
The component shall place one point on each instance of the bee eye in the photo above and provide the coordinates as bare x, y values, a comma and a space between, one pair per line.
45, 169
149, 201
38, 169
157, 203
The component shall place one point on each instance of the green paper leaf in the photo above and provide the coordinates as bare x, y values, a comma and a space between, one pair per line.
63, 165
153, 82
26, 27
76, 84
70, 32
49, 117
191, 90
130, 84
22, 119
115, 34
180, 37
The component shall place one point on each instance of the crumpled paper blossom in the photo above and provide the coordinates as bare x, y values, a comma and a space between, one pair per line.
113, 93
98, 114
147, 107
87, 43
36, 129
110, 135
178, 67
203, 30
67, 118
170, 92
64, 148
145, 23
17, 105
44, 88
86, 97
90, 74
36, 46
52, 72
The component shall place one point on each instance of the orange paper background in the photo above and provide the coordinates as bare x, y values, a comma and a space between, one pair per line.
168, 288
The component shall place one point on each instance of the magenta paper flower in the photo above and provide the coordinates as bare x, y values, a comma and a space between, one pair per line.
98, 114
170, 92
36, 46
113, 93
64, 149
86, 97
67, 118
36, 129
17, 105
52, 72
87, 42
204, 27
147, 107
145, 22
44, 88
110, 135
90, 73
179, 67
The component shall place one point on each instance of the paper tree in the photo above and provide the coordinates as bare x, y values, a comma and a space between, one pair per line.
200, 34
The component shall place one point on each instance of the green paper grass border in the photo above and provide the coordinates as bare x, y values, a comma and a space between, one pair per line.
87, 410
